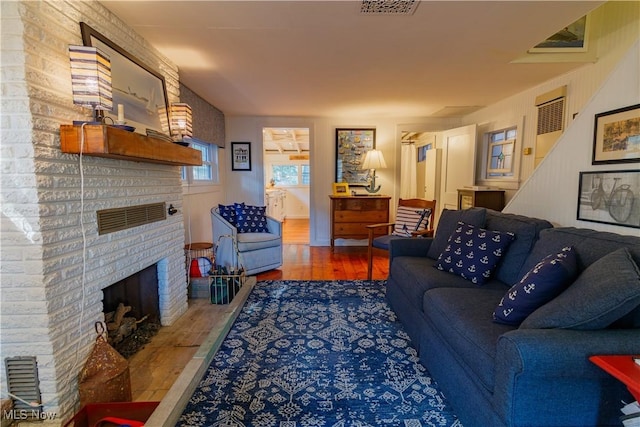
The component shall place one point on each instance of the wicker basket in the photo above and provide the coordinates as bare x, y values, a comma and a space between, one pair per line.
226, 282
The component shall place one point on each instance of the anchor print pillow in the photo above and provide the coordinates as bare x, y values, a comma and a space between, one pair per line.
251, 219
410, 219
473, 252
545, 281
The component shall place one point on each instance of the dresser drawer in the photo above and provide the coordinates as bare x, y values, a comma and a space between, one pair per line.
360, 216
362, 204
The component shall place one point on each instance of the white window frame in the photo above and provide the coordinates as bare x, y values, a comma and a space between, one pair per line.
506, 172
507, 182
200, 185
298, 164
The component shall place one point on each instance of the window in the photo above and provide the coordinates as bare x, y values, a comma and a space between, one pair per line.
290, 175
500, 153
208, 172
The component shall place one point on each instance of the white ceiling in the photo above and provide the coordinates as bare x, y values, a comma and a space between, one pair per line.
326, 59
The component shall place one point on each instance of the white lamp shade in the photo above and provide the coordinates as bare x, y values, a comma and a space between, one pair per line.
181, 119
374, 160
90, 77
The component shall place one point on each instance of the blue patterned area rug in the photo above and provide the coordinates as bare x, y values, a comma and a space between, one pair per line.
313, 354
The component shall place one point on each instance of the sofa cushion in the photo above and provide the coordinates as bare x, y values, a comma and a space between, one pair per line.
409, 274
539, 285
463, 318
526, 231
254, 241
473, 252
410, 219
605, 292
251, 219
448, 223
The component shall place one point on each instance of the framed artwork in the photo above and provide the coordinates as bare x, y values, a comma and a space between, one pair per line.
340, 189
572, 38
139, 89
351, 147
241, 156
616, 137
610, 197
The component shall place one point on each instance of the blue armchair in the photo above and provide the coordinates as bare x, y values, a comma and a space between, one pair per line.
256, 252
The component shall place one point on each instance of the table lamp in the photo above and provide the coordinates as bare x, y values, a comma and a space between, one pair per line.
373, 160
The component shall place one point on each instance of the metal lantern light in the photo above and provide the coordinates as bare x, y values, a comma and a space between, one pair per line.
91, 79
181, 121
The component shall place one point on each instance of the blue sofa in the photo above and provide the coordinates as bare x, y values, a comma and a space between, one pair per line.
503, 375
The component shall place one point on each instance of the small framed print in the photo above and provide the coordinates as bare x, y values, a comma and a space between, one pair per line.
340, 189
616, 137
241, 156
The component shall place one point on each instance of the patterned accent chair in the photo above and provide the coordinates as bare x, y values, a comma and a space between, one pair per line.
256, 251
414, 218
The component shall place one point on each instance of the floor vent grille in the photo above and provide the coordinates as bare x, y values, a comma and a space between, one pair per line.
110, 220
23, 383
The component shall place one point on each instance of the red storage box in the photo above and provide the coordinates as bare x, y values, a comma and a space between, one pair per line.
92, 413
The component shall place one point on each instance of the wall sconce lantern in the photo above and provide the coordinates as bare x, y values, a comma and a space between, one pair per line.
91, 79
373, 160
181, 121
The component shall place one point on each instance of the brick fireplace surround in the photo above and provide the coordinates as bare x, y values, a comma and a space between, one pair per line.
52, 274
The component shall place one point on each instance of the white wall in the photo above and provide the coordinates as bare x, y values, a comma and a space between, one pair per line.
250, 185
619, 26
555, 182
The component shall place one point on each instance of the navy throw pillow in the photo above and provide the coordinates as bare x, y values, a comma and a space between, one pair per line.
473, 252
603, 293
545, 281
251, 219
228, 212
449, 222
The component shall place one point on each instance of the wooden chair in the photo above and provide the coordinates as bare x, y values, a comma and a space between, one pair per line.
382, 242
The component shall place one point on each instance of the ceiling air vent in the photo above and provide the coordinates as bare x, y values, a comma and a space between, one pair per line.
388, 7
23, 383
110, 220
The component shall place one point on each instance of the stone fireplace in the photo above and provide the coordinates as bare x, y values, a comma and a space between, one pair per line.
55, 264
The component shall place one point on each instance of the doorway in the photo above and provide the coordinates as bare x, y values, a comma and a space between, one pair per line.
288, 180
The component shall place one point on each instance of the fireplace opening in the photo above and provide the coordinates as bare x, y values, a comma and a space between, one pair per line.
132, 311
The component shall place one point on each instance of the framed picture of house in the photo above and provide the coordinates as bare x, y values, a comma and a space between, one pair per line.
241, 156
616, 137
610, 197
351, 147
138, 88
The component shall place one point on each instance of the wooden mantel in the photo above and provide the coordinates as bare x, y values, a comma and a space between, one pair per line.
114, 143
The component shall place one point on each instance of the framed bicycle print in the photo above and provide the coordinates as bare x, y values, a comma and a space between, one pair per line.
616, 136
610, 197
351, 147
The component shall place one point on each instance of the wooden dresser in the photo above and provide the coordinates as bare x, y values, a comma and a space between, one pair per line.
350, 215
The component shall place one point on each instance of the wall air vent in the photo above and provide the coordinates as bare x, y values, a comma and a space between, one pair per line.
551, 106
389, 7
551, 117
110, 220
23, 383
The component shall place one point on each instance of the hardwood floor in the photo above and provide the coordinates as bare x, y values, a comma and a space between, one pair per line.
154, 369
